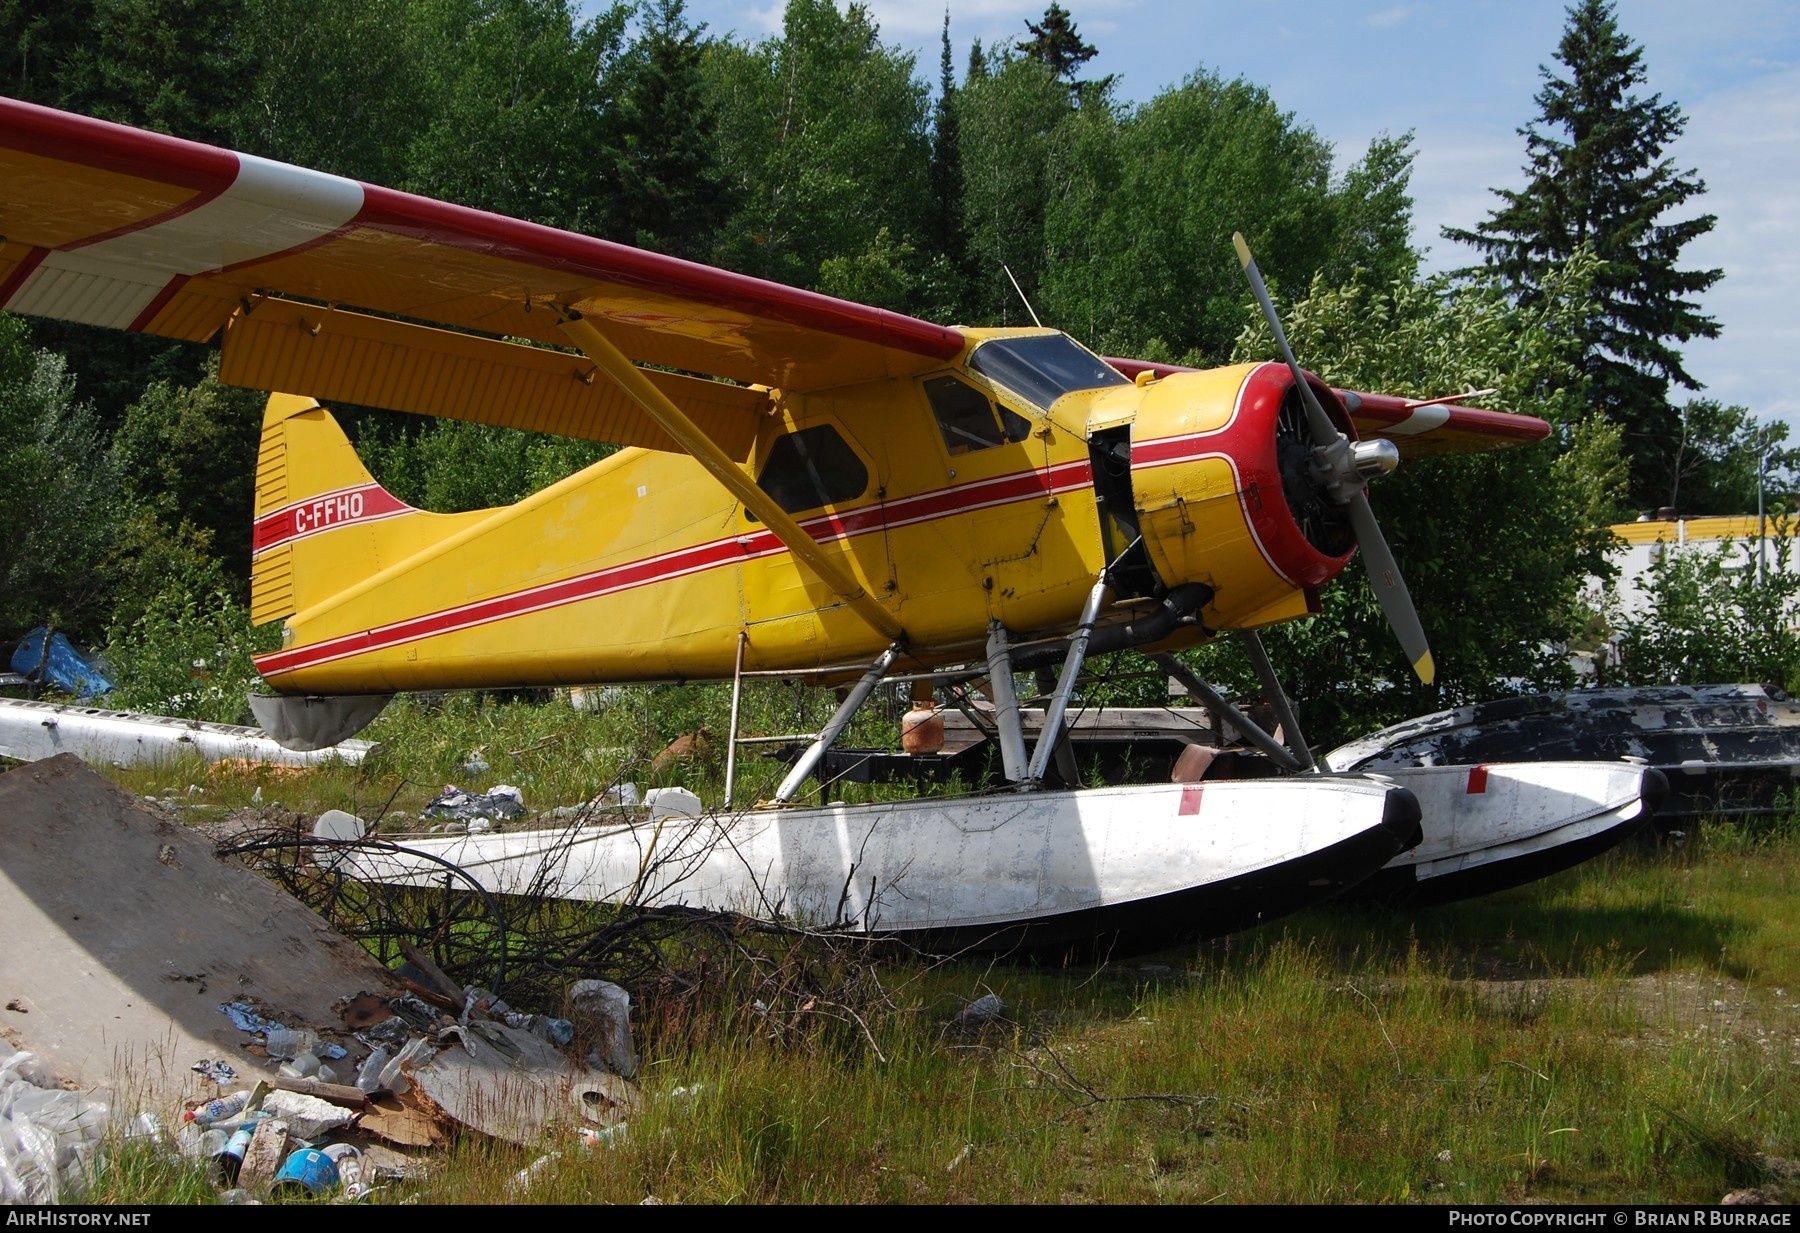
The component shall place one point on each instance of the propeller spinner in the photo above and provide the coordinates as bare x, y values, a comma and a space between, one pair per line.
1341, 468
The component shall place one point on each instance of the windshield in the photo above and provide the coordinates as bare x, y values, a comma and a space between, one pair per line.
1043, 368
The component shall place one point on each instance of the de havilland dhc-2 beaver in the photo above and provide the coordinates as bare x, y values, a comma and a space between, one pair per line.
805, 485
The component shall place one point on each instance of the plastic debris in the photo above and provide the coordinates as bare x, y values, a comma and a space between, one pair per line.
673, 803
983, 1009
215, 1070
62, 666
220, 1110
600, 1013
504, 804
48, 1137
245, 1018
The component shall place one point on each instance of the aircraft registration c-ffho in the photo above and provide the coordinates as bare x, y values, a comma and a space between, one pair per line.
805, 483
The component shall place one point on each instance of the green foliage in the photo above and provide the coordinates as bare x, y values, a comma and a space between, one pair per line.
882, 274
823, 136
1723, 461
1006, 117
1711, 619
189, 454
60, 501
188, 652
1494, 547
1140, 212
669, 192
1605, 186
340, 85
1057, 45
168, 65
516, 109
449, 466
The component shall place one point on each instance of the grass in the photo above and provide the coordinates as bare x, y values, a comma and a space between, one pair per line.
1625, 1032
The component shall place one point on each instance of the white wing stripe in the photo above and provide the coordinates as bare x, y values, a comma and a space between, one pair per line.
269, 208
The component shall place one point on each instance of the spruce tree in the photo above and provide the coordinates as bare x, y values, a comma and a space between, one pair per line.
670, 194
1596, 176
1057, 45
945, 222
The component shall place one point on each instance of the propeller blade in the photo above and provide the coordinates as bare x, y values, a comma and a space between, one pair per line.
1323, 431
1390, 589
1384, 571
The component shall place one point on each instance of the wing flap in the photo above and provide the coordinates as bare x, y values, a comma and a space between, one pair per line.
342, 356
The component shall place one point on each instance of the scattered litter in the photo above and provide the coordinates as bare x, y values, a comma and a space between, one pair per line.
601, 1136
600, 1015
262, 1159
673, 803
508, 1084
48, 1137
625, 796
286, 1043
215, 1070
504, 804
475, 763
223, 1109
307, 1117
244, 1017
306, 1172
335, 826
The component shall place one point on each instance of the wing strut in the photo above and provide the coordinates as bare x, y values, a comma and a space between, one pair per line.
707, 453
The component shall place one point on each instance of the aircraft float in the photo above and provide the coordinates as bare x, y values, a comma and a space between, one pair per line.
807, 486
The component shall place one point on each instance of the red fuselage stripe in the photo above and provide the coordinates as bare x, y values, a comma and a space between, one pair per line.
826, 528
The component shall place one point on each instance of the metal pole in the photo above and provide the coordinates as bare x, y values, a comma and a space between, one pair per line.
1059, 701
1252, 731
1265, 670
859, 693
1006, 705
1762, 520
737, 689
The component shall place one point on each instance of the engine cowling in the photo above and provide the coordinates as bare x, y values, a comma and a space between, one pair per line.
1224, 492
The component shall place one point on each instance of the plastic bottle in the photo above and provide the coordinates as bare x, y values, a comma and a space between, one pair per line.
368, 1077
231, 1159
221, 1110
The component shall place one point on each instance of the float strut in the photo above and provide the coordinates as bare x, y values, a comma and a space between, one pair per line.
859, 694
1065, 685
1278, 698
1006, 707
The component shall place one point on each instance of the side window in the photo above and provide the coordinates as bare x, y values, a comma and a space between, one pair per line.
967, 417
812, 467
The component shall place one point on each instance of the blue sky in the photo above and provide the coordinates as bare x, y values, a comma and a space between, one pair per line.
1461, 76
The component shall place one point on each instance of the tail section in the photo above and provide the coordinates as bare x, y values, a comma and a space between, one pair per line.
322, 522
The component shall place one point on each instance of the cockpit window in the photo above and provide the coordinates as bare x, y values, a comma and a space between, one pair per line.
1042, 368
966, 417
812, 467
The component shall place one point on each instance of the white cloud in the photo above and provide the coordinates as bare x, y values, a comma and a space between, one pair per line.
1387, 17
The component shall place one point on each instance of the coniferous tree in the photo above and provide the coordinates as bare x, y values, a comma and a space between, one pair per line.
1057, 45
671, 193
948, 241
1597, 177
